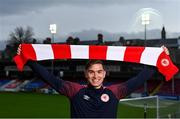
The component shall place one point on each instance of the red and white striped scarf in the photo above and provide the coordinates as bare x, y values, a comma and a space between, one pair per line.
145, 55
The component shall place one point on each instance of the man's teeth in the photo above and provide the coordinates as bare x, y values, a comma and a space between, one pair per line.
96, 80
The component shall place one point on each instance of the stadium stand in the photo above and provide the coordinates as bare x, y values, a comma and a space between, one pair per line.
14, 86
33, 85
168, 88
6, 84
3, 82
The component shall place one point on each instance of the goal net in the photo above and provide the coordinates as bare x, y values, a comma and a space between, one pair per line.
148, 107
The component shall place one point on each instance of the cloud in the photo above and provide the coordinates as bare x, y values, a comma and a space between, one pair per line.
13, 7
113, 16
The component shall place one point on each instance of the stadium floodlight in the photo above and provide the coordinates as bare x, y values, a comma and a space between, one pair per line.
145, 18
53, 29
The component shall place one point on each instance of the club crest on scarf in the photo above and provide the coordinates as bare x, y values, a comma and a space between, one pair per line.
165, 62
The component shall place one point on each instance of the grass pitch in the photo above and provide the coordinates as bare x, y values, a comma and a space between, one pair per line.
35, 105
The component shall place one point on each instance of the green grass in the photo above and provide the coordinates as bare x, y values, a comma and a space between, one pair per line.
166, 107
35, 105
125, 111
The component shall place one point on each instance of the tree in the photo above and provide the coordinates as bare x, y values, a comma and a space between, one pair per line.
70, 40
20, 35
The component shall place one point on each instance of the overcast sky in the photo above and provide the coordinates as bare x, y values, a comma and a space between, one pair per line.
78, 16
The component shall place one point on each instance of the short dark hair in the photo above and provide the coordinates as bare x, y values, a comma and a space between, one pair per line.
92, 62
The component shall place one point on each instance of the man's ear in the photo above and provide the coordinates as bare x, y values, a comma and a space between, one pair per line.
104, 73
85, 74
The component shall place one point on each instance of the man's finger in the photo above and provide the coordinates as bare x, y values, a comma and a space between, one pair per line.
165, 50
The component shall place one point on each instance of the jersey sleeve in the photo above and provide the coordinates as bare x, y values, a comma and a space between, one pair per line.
124, 89
66, 88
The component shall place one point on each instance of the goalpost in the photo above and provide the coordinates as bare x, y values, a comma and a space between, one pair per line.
149, 107
146, 101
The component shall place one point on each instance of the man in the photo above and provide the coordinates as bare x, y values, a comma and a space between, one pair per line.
93, 100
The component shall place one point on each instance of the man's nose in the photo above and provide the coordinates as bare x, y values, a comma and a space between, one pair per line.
95, 74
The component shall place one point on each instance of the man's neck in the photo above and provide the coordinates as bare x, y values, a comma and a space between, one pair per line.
97, 87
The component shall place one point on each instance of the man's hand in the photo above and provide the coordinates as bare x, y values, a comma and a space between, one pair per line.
165, 49
19, 50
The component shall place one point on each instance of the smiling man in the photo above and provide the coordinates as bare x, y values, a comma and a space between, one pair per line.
93, 100
95, 73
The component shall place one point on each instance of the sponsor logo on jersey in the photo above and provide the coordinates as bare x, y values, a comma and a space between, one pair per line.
86, 97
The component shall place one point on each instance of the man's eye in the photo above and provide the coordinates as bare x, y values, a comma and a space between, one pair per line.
90, 72
100, 72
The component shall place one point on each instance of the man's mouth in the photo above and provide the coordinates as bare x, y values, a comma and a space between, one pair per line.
95, 80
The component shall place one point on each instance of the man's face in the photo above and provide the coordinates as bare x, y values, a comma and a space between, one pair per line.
95, 75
